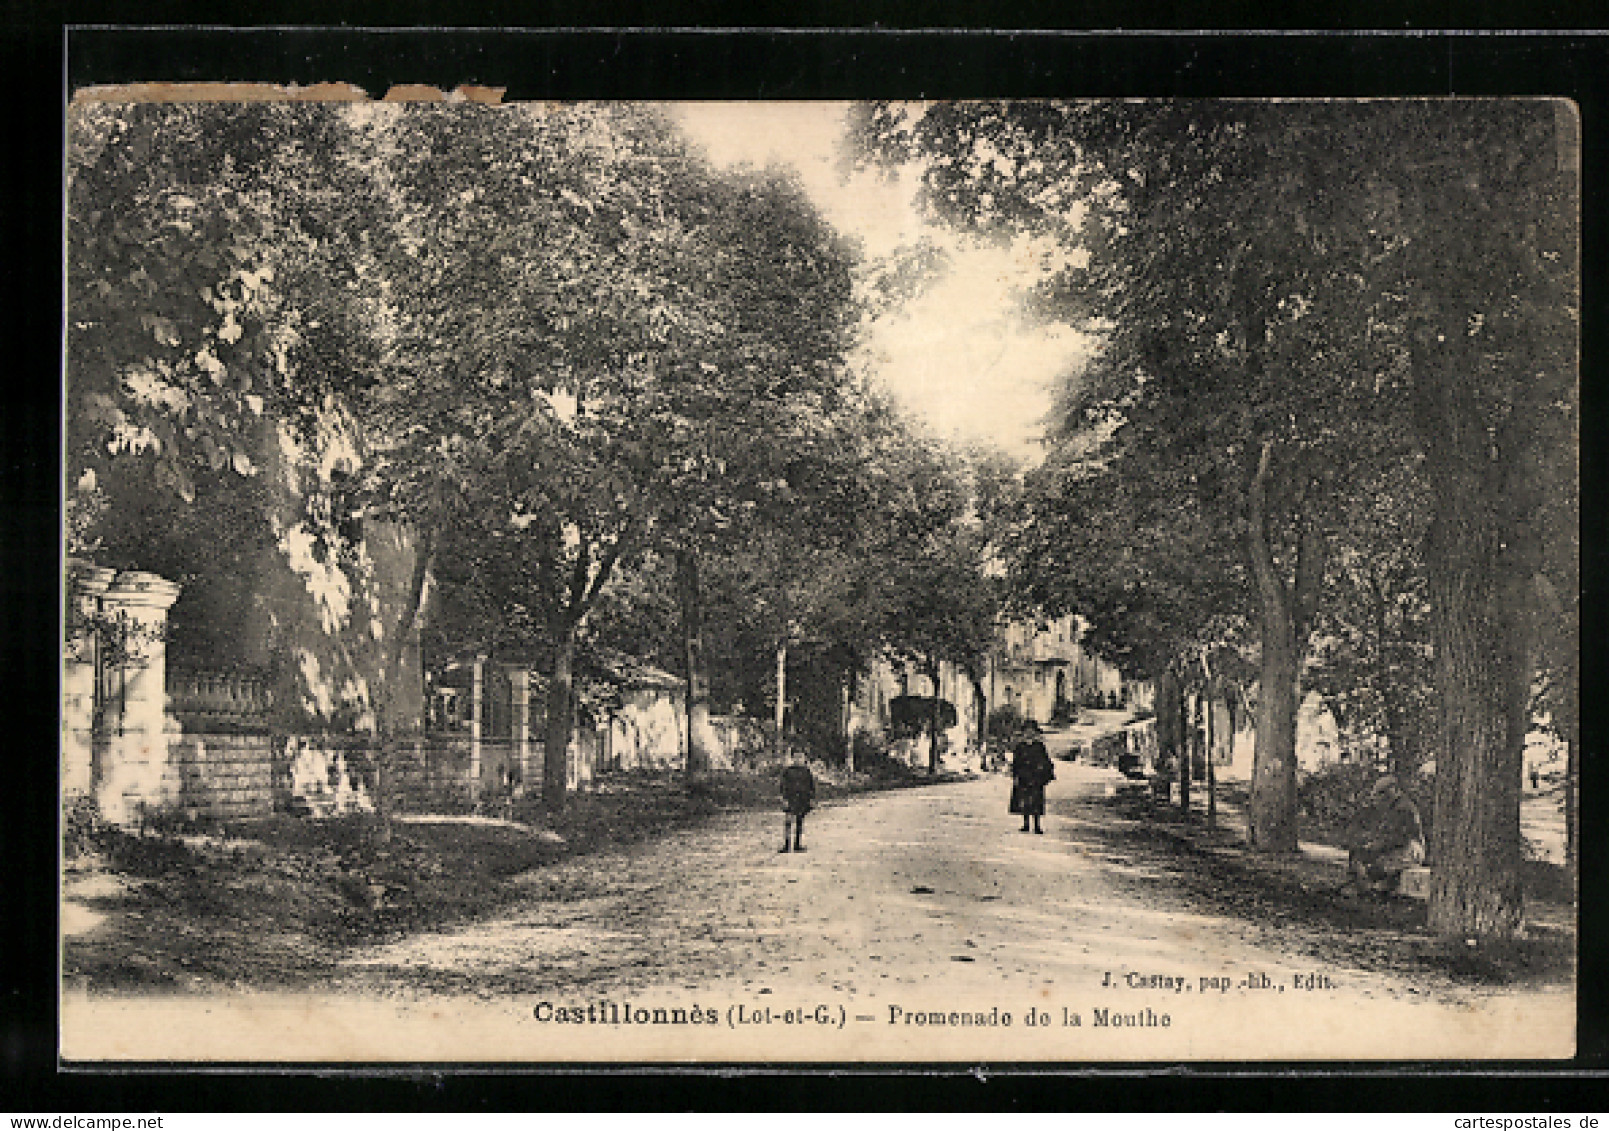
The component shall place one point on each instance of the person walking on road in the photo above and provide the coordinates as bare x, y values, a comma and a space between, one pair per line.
798, 793
1031, 771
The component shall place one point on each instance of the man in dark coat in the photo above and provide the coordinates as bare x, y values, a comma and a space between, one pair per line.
1390, 840
798, 793
1031, 771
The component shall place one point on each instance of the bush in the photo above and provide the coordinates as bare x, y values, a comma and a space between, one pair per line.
884, 767
1004, 724
909, 715
1330, 799
822, 740
81, 829
868, 747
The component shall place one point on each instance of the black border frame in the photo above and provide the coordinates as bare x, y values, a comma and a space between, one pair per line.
46, 58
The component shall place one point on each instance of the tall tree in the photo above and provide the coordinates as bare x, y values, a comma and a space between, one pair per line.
756, 392
214, 283
1485, 207
1206, 308
940, 604
475, 294
529, 290
1300, 279
1144, 567
653, 348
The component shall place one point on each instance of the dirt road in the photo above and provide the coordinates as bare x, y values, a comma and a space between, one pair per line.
915, 925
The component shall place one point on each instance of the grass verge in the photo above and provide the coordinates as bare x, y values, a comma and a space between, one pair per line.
276, 901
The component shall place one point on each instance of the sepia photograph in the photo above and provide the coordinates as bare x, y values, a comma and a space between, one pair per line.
1067, 582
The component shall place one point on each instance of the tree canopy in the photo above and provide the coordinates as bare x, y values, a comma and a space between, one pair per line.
606, 389
1292, 299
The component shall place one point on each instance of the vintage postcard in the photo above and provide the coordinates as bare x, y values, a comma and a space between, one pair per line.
1065, 582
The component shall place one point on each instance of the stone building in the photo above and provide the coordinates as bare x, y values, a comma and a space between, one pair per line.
1045, 674
869, 711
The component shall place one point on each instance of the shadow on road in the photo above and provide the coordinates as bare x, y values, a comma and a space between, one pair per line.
1298, 903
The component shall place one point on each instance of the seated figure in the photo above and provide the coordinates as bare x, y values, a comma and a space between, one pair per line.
1390, 838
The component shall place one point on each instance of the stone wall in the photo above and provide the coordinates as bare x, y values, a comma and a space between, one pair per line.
736, 739
648, 731
228, 776
222, 745
233, 777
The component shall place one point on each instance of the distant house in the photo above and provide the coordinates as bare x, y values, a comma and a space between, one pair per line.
628, 716
643, 723
1044, 674
869, 710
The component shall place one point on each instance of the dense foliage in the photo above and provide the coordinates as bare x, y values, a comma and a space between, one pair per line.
1303, 307
600, 384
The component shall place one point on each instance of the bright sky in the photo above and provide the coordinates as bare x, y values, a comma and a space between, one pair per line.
958, 355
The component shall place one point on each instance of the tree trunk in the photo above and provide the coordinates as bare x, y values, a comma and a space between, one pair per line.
408, 624
1482, 680
1168, 734
1191, 707
1212, 775
1481, 580
980, 702
698, 678
844, 718
1273, 790
781, 712
561, 693
933, 722
1390, 717
1571, 843
556, 745
1187, 741
1399, 759
1272, 809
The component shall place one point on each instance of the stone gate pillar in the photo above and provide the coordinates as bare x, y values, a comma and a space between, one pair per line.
80, 665
134, 774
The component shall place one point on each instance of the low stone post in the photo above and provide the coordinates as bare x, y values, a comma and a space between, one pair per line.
80, 706
135, 775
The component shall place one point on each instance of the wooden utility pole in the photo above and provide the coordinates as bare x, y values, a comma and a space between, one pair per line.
781, 712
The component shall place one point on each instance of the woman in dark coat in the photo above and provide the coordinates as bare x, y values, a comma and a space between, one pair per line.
1031, 771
